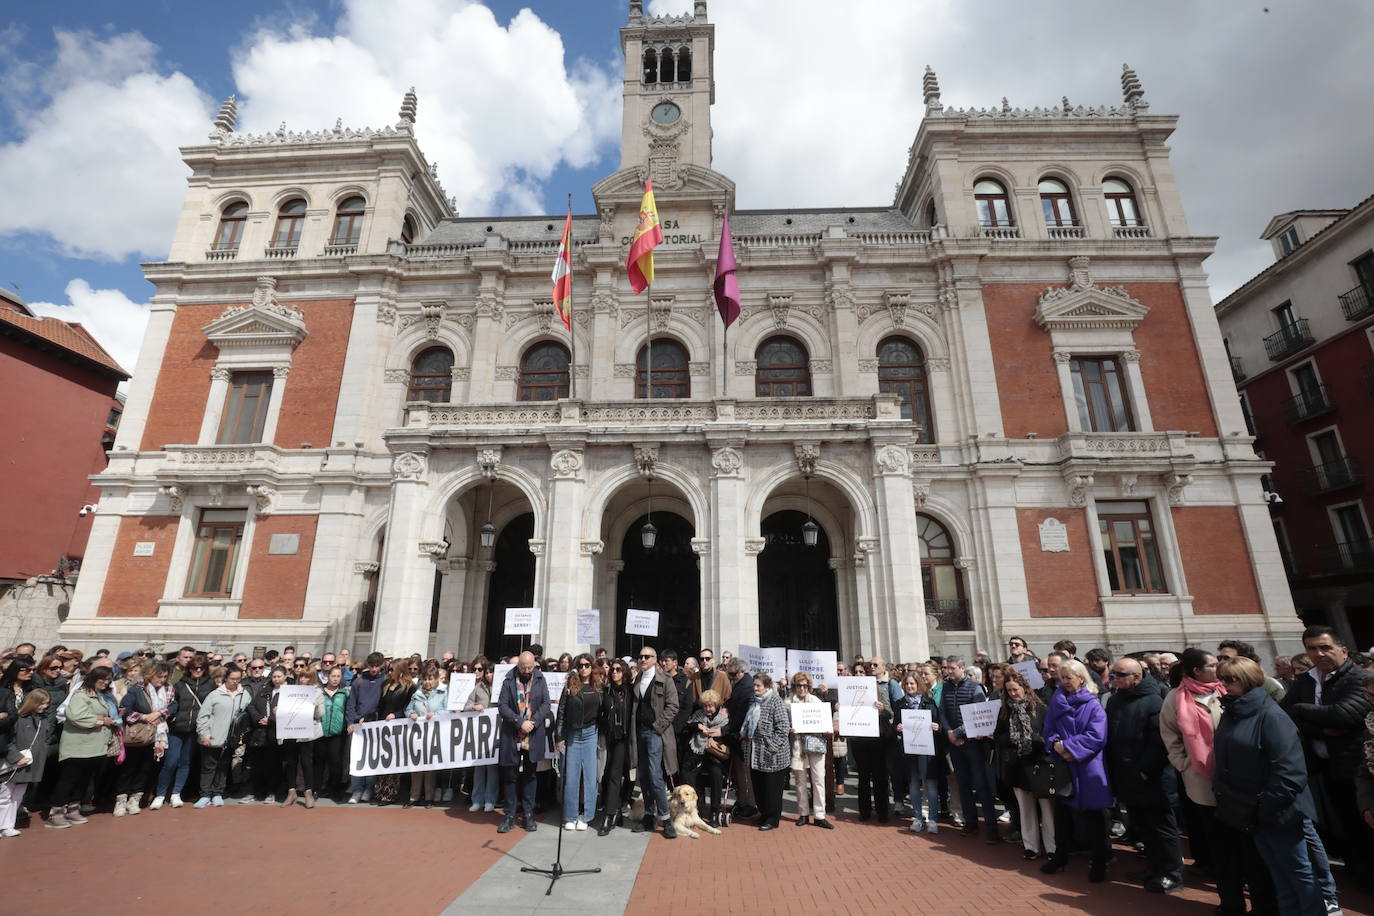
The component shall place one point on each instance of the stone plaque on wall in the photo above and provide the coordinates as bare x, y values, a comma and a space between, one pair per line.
284, 544
1054, 537
144, 548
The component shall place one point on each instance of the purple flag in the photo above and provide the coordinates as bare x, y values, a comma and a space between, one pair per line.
727, 284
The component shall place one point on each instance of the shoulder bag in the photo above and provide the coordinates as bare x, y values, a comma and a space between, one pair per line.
1050, 779
140, 733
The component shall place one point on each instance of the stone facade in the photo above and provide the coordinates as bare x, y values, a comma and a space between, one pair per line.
385, 501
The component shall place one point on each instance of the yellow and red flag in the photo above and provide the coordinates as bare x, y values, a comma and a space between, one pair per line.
562, 275
648, 234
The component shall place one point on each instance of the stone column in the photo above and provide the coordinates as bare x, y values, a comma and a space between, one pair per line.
475, 588
984, 407
214, 406
161, 311
486, 336
452, 596
565, 564
358, 415
269, 423
729, 594
402, 624
903, 632
609, 589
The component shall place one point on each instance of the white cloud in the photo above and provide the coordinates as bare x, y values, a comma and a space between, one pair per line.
97, 167
500, 108
112, 318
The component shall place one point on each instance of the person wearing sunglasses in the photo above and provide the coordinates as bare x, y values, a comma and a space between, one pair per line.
188, 696
1261, 785
523, 702
576, 734
614, 724
255, 678
1018, 650
653, 754
15, 683
486, 780
48, 674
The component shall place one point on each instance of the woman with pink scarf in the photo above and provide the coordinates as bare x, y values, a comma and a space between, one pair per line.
1187, 722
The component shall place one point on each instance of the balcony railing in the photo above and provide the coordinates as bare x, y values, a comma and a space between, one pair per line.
1357, 303
1308, 404
1131, 232
1334, 475
1061, 232
1288, 340
1237, 369
221, 254
339, 251
1351, 555
279, 254
950, 613
1000, 233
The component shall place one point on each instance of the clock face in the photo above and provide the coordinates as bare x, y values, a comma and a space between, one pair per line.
665, 113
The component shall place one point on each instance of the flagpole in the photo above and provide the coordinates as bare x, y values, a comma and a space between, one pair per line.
648, 342
725, 361
572, 329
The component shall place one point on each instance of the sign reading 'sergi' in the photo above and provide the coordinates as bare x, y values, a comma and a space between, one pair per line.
465, 739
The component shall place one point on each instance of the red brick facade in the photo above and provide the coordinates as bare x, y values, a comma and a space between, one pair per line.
1062, 584
1215, 560
133, 585
275, 588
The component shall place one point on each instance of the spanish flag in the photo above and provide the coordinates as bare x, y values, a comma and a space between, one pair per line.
648, 234
562, 275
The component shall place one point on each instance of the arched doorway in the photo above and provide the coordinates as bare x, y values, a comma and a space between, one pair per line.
512, 584
797, 607
664, 579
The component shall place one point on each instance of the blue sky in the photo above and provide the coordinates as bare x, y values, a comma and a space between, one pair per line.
816, 104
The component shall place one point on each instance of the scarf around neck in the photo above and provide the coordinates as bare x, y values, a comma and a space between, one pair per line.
1195, 722
1019, 725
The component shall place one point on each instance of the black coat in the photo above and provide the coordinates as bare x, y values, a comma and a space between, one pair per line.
1259, 755
1342, 708
188, 694
616, 709
1135, 747
508, 705
684, 703
1012, 768
741, 698
394, 702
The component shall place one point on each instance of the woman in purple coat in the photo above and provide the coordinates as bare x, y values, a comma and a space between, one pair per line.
1076, 730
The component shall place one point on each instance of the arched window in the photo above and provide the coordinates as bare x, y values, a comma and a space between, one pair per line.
543, 373
407, 230
667, 66
931, 216
348, 224
684, 64
431, 375
290, 219
782, 369
1121, 208
994, 207
1056, 202
231, 226
650, 66
902, 371
941, 580
671, 378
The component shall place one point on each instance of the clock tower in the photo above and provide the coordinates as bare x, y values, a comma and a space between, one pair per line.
668, 93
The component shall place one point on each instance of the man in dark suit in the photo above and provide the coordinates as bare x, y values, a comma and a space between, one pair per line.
654, 751
524, 708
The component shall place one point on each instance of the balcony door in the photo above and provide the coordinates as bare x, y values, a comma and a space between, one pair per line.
797, 603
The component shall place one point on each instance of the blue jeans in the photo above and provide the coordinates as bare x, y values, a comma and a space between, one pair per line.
177, 761
486, 785
357, 785
1296, 885
579, 763
972, 770
916, 781
650, 764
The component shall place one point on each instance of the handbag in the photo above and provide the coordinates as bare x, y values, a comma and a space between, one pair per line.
1050, 779
114, 747
812, 744
717, 750
840, 748
139, 734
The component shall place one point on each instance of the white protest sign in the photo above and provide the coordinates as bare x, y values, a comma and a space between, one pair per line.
641, 623
980, 719
859, 721
1031, 672
555, 681
771, 662
296, 712
917, 738
822, 665
588, 627
811, 718
522, 621
465, 739
460, 687
857, 691
499, 678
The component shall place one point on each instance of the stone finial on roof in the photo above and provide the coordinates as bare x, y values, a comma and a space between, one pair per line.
408, 107
699, 10
1131, 90
636, 10
930, 89
227, 119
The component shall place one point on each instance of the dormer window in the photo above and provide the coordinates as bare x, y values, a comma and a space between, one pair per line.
1288, 242
231, 224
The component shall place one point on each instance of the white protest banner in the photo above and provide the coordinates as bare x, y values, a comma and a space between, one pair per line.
296, 712
980, 719
822, 665
588, 627
1031, 672
555, 681
859, 721
522, 621
771, 662
857, 691
464, 739
917, 738
641, 623
499, 678
460, 687
811, 718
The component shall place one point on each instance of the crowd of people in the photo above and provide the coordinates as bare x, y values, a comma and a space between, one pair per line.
1266, 777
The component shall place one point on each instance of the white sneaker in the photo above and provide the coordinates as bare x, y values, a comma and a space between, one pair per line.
353, 799
932, 827
570, 825
1005, 818
8, 832
201, 802
475, 806
581, 824
917, 826
157, 803
489, 807
176, 801
218, 801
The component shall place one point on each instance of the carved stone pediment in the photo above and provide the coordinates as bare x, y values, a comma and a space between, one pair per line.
263, 323
627, 185
1083, 305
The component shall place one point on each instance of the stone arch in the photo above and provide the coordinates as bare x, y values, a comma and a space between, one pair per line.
291, 193
923, 330
226, 198
453, 485
1062, 173
1133, 176
682, 329
343, 192
832, 524
415, 339
522, 335
845, 480
812, 333
600, 496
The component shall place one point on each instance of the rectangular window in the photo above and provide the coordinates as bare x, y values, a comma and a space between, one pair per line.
1130, 548
1289, 240
1353, 548
1100, 393
1364, 272
1285, 316
218, 537
245, 408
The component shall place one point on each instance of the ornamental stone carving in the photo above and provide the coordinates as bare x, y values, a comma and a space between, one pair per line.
892, 460
925, 454
461, 373
489, 305
778, 305
487, 461
701, 546
1129, 356
727, 462
754, 546
591, 548
920, 493
537, 546
1083, 305
839, 296
409, 466
386, 314
868, 365
821, 367
938, 364
896, 307
220, 374
868, 545
434, 550
1129, 483
432, 313
646, 457
746, 367
566, 462
506, 373
397, 376
624, 370
367, 568
699, 369
281, 371
963, 563
1062, 357
807, 454
263, 497
214, 494
1174, 484
175, 495
1080, 483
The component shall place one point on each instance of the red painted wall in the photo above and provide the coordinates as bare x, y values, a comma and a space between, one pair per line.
133, 585
275, 588
54, 413
1061, 584
1221, 576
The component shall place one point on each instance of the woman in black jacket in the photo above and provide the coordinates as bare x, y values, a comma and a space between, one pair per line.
1019, 744
1261, 787
397, 690
264, 751
614, 728
576, 731
187, 696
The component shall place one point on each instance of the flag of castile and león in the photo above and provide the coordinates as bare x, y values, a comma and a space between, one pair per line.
649, 233
562, 275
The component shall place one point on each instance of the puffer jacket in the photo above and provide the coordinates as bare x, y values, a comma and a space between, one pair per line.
335, 720
1259, 756
1342, 709
219, 713
427, 701
189, 695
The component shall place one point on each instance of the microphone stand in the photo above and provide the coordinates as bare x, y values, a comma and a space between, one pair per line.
557, 870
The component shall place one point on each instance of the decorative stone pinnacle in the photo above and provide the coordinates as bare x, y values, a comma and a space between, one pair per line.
636, 10
408, 107
1131, 91
930, 88
227, 119
699, 10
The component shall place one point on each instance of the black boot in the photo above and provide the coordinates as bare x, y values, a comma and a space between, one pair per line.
507, 824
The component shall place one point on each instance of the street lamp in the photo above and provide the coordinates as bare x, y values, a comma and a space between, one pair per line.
811, 532
648, 535
487, 536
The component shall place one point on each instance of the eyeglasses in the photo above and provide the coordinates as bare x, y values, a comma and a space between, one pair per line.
1230, 679
648, 656
706, 658
256, 667
1117, 674
584, 664
479, 669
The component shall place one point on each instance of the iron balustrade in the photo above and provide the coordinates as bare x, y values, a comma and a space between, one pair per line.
1288, 340
1307, 404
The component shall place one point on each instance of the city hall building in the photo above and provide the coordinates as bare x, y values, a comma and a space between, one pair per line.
998, 404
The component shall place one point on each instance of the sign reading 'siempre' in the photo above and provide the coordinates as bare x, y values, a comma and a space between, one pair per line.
465, 739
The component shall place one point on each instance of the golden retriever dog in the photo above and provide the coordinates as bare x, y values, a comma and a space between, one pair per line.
682, 808
636, 809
